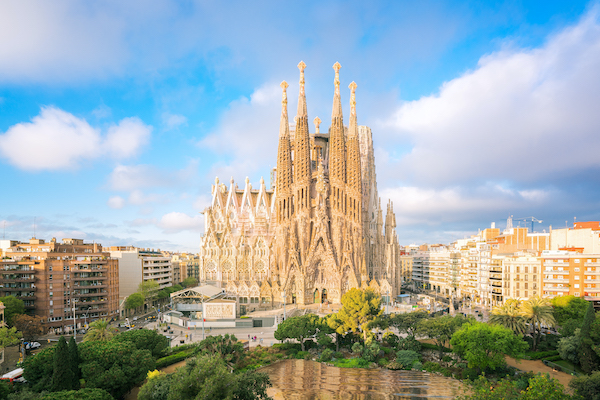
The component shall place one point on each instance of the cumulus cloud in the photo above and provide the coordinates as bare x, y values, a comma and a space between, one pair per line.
58, 140
176, 222
247, 132
522, 115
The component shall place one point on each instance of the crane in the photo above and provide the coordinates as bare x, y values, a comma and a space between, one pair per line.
533, 219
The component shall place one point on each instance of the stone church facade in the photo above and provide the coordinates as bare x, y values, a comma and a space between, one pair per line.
318, 231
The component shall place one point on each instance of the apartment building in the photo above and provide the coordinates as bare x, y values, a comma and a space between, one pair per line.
521, 274
137, 265
66, 283
571, 272
185, 265
584, 235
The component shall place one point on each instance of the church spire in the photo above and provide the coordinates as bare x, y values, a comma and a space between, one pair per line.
354, 175
337, 101
284, 128
283, 180
302, 95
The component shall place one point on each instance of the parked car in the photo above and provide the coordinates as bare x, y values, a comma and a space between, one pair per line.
32, 345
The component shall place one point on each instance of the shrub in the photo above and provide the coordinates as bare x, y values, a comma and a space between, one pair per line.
430, 346
431, 366
351, 363
406, 358
338, 354
394, 365
172, 359
538, 355
301, 355
382, 362
391, 339
470, 374
409, 343
386, 350
417, 365
447, 359
357, 348
326, 355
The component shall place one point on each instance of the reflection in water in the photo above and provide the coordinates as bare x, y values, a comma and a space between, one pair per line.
309, 380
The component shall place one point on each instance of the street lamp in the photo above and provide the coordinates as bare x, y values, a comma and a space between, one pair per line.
284, 304
85, 317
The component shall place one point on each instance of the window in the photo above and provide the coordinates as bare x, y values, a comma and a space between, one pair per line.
51, 302
50, 277
50, 268
576, 277
577, 261
577, 286
576, 269
243, 300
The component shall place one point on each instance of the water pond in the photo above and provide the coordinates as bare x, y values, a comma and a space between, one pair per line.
310, 380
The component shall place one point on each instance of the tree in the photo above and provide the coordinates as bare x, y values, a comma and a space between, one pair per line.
298, 328
568, 347
62, 374
509, 315
227, 347
149, 289
74, 362
145, 339
441, 329
588, 358
30, 326
114, 366
8, 337
206, 377
587, 386
484, 346
538, 387
336, 325
83, 394
359, 308
569, 312
100, 330
408, 322
38, 370
13, 306
189, 282
134, 301
538, 311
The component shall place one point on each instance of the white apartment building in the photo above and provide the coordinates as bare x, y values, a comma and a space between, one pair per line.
137, 265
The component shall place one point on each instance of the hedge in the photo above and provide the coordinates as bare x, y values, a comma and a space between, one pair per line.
172, 359
538, 355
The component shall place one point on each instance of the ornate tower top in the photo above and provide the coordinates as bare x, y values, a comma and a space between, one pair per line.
352, 99
337, 102
302, 95
284, 85
317, 122
283, 126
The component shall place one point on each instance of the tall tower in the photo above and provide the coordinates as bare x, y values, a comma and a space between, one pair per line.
284, 164
302, 171
354, 179
337, 168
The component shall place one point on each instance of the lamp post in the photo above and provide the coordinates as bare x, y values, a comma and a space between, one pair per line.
85, 317
284, 304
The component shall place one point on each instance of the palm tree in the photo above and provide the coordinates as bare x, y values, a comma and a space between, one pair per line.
509, 316
538, 311
100, 331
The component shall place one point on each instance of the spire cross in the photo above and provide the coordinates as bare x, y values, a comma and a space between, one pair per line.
301, 67
317, 122
352, 98
284, 85
337, 67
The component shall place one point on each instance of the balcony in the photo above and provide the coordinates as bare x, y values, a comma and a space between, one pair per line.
89, 278
556, 281
556, 289
591, 281
5, 279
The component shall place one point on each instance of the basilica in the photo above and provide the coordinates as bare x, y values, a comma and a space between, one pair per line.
317, 231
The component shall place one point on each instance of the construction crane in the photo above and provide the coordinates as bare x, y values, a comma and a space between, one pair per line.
533, 219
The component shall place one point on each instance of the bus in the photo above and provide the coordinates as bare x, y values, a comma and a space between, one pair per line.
16, 375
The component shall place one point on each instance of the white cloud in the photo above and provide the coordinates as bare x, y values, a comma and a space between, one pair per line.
521, 115
248, 132
116, 202
173, 121
176, 222
431, 206
134, 177
56, 139
127, 138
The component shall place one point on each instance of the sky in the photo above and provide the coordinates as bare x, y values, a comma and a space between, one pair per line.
116, 117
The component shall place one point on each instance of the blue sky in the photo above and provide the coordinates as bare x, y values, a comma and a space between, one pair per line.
115, 117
